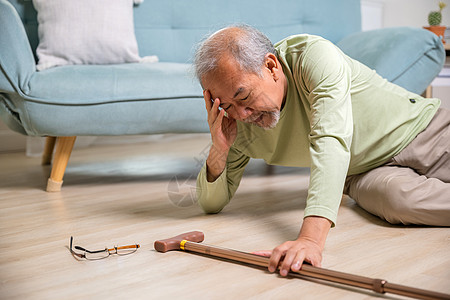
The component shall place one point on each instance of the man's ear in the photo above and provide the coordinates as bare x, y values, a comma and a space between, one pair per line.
273, 65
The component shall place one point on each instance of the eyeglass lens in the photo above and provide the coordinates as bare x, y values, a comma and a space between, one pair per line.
96, 255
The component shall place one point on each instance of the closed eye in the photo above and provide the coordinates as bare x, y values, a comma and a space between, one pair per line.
225, 107
243, 99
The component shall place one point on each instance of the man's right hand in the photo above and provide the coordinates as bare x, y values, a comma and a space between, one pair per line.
223, 134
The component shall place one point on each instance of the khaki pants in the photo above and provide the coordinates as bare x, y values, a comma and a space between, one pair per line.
414, 186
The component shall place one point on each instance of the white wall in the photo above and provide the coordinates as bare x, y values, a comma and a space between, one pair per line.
392, 13
413, 12
372, 14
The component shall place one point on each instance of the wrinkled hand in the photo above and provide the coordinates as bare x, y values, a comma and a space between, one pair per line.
223, 129
223, 134
292, 254
307, 247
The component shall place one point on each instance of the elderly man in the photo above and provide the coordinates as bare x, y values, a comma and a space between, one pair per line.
305, 103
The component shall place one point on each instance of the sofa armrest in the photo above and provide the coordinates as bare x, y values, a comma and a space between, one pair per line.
17, 62
409, 57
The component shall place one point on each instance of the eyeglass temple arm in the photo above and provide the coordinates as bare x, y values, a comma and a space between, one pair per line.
73, 252
125, 247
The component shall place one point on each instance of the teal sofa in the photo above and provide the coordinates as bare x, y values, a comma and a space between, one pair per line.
127, 99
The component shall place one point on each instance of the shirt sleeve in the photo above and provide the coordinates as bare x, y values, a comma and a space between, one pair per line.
327, 78
214, 196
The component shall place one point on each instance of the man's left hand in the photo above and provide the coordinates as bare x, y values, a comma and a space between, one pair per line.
292, 254
307, 247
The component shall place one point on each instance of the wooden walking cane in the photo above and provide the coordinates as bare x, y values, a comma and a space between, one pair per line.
190, 242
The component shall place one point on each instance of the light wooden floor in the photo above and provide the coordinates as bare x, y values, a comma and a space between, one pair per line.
121, 194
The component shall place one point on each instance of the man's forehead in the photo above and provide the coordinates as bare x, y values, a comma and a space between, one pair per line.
227, 93
225, 86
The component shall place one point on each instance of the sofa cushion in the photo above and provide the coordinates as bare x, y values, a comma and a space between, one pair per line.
88, 84
85, 32
409, 57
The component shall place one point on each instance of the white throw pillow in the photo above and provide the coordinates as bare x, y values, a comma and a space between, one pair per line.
85, 32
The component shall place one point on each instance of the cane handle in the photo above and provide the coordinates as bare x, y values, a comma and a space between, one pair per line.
174, 242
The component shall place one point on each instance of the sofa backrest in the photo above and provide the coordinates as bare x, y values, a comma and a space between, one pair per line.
170, 29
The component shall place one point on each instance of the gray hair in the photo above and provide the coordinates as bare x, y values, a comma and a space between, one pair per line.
249, 47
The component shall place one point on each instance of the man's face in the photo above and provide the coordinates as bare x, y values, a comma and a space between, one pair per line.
248, 97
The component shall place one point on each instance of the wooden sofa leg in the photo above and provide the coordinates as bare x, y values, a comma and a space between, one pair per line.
428, 93
48, 150
64, 146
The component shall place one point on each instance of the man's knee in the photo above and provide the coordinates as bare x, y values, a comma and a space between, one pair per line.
399, 202
415, 202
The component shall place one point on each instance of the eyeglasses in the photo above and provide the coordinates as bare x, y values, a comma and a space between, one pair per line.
100, 254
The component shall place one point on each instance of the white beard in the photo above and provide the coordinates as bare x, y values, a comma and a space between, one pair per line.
274, 118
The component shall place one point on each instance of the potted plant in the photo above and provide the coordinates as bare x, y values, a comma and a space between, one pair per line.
434, 20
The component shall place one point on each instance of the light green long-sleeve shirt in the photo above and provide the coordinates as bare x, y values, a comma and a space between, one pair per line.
340, 118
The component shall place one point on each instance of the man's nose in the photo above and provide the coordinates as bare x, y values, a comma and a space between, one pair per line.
243, 112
